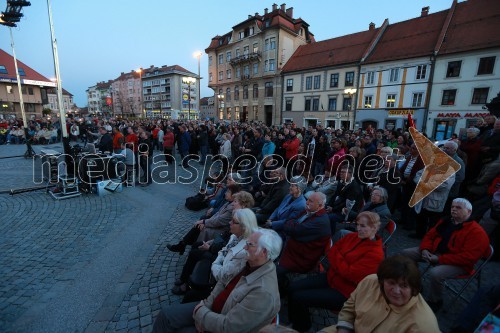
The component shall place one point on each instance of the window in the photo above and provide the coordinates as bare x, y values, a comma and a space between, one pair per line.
368, 102
486, 65
245, 92
349, 79
272, 43
30, 91
454, 68
266, 65
221, 58
246, 71
272, 64
255, 47
309, 83
269, 89
416, 100
480, 95
21, 71
221, 75
210, 77
228, 94
394, 75
228, 73
3, 70
266, 45
370, 77
449, 97
334, 80
255, 91
288, 104
332, 104
289, 85
317, 80
245, 50
210, 61
236, 93
237, 53
9, 89
238, 72
315, 104
346, 105
256, 68
307, 105
391, 100
421, 72
228, 56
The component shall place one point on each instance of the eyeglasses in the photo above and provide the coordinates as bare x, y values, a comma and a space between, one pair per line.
249, 244
234, 222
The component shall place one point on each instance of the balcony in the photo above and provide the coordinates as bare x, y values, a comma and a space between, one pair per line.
251, 57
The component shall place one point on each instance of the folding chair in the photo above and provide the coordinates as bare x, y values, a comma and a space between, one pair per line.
476, 274
390, 229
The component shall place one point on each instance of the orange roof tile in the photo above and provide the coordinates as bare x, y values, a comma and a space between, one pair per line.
8, 61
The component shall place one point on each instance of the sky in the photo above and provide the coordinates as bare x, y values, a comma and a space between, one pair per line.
99, 39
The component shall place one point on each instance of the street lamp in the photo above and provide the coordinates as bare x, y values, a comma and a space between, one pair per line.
350, 92
140, 70
189, 81
220, 98
198, 55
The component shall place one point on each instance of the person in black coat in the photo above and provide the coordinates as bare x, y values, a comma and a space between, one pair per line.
145, 157
106, 142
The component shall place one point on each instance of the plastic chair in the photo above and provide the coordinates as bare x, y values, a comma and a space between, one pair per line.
390, 228
475, 275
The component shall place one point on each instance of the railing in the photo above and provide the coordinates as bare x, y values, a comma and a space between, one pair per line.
246, 58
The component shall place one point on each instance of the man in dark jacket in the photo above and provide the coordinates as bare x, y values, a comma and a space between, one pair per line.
106, 142
145, 157
273, 198
184, 144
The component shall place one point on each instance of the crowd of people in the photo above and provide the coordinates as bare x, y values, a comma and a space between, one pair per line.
315, 201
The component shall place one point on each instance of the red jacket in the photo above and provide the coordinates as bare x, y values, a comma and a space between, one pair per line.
291, 147
466, 245
134, 140
351, 260
168, 140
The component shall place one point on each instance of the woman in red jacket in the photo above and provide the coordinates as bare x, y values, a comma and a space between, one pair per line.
351, 259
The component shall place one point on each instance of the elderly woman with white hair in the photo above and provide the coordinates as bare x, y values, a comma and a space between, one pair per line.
247, 303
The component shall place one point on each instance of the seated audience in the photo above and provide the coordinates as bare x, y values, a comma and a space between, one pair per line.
388, 302
452, 248
247, 303
351, 259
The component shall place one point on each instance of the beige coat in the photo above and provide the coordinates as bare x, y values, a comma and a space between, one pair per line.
253, 303
367, 311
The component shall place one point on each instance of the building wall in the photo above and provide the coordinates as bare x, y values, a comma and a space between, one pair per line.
334, 115
10, 103
444, 120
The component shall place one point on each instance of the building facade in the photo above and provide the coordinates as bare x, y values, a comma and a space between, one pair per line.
320, 80
245, 64
467, 69
33, 89
127, 95
99, 99
53, 104
166, 93
207, 108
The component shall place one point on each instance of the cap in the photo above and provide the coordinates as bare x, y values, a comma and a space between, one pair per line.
300, 182
328, 128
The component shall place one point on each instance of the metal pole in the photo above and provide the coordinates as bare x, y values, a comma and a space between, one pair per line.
58, 76
189, 101
199, 81
21, 101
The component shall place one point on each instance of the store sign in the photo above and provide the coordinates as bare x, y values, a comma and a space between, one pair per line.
39, 83
392, 113
459, 115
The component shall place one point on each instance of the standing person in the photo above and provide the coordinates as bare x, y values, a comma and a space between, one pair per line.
161, 135
184, 144
133, 142
203, 142
118, 140
145, 157
168, 145
154, 137
105, 142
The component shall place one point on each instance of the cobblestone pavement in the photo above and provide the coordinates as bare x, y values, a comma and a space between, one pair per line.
100, 264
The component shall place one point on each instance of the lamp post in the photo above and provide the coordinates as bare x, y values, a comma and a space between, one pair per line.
198, 55
139, 70
189, 81
349, 92
220, 98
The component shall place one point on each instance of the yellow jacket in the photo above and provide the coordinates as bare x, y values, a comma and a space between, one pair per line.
366, 310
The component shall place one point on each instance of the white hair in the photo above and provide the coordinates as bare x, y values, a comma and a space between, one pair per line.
270, 241
466, 203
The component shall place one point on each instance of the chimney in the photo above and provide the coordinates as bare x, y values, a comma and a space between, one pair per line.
265, 11
425, 11
275, 6
289, 12
249, 16
283, 7
371, 26
256, 14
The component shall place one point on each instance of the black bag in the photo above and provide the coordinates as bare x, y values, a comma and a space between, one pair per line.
197, 202
201, 278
